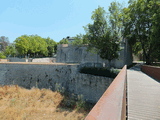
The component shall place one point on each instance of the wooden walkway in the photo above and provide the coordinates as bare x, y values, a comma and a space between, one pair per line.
143, 96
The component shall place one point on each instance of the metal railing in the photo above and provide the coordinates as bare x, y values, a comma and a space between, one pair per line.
112, 104
153, 71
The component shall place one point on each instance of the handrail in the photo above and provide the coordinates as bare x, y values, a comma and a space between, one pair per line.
112, 104
153, 71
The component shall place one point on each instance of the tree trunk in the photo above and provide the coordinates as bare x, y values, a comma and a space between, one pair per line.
148, 60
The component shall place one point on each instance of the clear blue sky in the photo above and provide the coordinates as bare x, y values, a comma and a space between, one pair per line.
56, 19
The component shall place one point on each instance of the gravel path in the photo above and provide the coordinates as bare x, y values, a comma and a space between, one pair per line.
143, 96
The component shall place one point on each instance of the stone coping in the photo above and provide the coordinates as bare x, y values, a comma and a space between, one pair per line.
38, 63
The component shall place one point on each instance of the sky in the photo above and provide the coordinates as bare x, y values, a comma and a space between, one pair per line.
56, 19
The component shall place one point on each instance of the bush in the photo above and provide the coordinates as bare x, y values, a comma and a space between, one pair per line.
99, 71
76, 102
80, 103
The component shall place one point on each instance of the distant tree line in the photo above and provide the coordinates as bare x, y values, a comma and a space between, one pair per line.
29, 45
34, 45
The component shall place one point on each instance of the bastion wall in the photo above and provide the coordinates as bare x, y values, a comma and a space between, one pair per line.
50, 76
67, 53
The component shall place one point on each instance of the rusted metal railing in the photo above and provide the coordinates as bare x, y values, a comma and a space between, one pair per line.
152, 71
112, 104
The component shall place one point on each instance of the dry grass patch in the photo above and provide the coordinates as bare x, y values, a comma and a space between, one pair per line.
17, 103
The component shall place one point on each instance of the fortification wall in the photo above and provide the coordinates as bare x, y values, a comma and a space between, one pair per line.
12, 59
76, 54
50, 75
47, 60
79, 54
44, 60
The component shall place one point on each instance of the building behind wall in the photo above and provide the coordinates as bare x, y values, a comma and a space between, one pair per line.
67, 53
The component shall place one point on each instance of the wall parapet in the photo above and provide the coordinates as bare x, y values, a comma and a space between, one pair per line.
152, 71
112, 104
4, 60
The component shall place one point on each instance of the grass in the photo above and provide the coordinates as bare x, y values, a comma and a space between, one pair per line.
17, 103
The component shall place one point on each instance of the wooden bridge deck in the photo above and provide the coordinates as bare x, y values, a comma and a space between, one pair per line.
143, 96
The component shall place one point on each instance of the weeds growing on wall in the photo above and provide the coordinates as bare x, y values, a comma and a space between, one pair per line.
73, 101
112, 73
59, 88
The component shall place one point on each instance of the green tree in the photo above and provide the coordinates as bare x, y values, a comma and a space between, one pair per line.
155, 11
80, 40
10, 50
63, 41
52, 46
2, 56
42, 47
116, 19
22, 44
100, 37
141, 27
31, 45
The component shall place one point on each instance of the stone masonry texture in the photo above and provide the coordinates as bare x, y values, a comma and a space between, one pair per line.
50, 75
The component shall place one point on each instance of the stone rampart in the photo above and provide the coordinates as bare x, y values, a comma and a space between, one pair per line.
12, 59
3, 60
79, 54
44, 60
48, 76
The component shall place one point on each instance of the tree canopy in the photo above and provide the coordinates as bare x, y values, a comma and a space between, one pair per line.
80, 40
63, 41
138, 24
100, 36
35, 45
141, 27
10, 50
52, 46
116, 19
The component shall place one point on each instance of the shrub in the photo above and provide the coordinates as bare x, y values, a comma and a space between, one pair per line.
59, 88
99, 71
76, 102
80, 103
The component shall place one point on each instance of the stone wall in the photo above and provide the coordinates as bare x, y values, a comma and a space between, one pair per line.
50, 75
79, 54
3, 60
44, 60
47, 60
15, 59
